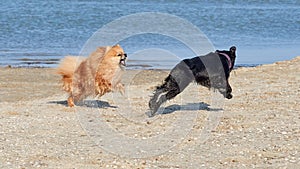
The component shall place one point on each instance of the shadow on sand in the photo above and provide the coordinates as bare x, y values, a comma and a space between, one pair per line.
87, 103
189, 107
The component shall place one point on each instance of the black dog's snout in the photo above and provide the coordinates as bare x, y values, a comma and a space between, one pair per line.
233, 49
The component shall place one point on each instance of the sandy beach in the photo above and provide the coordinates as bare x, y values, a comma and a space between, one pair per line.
258, 128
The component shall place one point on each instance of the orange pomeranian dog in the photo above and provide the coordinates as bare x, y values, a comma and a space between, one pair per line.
96, 75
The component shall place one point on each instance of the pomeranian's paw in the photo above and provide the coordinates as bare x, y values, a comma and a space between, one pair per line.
70, 102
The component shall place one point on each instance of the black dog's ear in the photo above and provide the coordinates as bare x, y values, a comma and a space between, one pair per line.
232, 49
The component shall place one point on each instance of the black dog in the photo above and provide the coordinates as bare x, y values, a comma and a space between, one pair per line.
211, 70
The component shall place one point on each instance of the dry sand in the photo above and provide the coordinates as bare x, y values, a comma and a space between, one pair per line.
258, 128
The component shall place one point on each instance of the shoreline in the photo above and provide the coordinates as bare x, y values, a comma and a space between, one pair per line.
249, 59
134, 66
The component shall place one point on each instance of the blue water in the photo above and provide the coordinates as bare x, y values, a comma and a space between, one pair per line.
38, 33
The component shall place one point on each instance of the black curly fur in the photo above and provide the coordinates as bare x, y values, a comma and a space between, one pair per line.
211, 71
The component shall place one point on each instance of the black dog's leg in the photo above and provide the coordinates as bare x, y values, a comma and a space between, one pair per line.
155, 100
225, 89
228, 91
168, 96
228, 94
172, 86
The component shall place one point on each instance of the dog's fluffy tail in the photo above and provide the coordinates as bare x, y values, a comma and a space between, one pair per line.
66, 69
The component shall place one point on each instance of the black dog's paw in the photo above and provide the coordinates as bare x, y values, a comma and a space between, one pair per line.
150, 113
153, 110
229, 96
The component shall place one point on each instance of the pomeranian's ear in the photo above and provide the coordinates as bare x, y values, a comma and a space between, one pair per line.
107, 48
117, 45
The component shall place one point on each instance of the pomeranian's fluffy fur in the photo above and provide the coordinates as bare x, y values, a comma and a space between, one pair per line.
96, 75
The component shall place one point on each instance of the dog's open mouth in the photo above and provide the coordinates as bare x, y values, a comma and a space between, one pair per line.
123, 60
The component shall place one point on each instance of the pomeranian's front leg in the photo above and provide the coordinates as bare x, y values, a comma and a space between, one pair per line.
71, 102
74, 99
